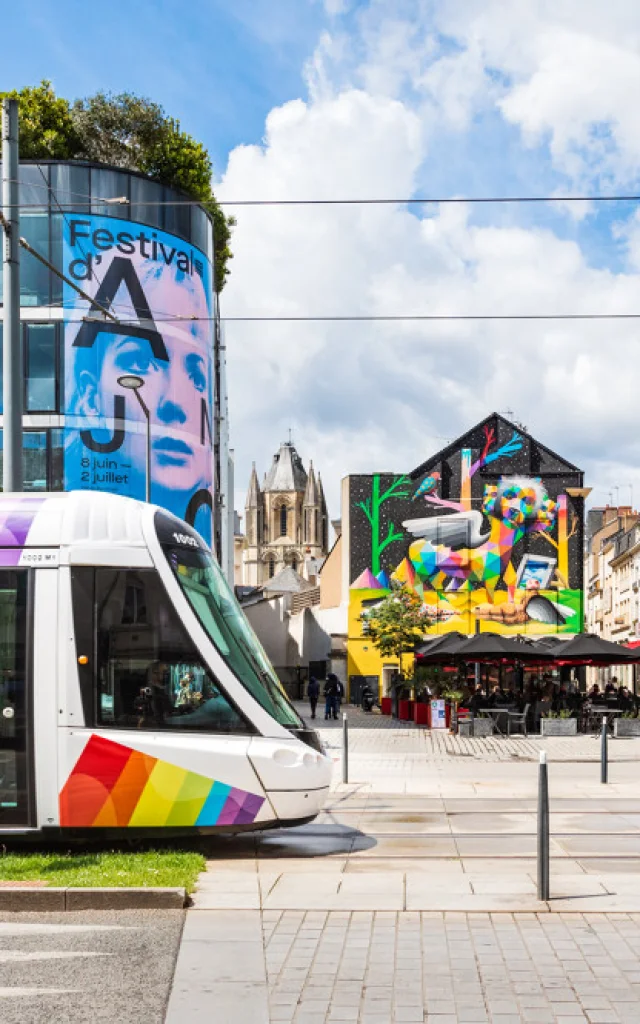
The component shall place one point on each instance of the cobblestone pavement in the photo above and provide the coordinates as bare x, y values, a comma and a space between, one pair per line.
371, 733
382, 968
413, 898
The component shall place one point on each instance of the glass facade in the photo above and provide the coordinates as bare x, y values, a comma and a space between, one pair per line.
67, 212
50, 192
42, 459
43, 369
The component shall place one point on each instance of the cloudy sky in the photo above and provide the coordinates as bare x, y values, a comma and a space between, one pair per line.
321, 99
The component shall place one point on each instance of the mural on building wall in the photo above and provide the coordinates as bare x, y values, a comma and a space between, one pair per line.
488, 535
157, 290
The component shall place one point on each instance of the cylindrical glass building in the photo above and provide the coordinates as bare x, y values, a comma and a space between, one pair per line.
146, 258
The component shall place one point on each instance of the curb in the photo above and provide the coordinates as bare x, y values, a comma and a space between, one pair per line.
30, 900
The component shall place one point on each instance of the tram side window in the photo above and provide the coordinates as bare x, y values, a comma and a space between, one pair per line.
149, 673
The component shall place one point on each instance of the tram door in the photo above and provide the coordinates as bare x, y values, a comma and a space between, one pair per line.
15, 712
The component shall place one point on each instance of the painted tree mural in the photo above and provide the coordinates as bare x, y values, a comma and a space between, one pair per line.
400, 488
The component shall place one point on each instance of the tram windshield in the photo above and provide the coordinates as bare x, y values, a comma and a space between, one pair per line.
210, 596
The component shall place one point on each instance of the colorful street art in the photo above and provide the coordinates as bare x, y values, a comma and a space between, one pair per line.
371, 507
491, 536
115, 786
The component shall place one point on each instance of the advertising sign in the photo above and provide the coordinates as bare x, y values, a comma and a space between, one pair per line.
159, 290
438, 715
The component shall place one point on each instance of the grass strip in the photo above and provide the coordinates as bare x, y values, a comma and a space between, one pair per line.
105, 868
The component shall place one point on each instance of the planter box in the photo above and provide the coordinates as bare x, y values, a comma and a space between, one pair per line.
558, 726
403, 710
385, 705
421, 715
411, 704
483, 727
626, 727
465, 727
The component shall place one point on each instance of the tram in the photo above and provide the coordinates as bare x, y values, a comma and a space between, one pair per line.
134, 695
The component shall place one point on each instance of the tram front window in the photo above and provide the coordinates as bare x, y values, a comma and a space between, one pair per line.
212, 600
150, 675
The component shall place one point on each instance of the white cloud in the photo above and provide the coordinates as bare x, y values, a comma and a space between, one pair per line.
364, 396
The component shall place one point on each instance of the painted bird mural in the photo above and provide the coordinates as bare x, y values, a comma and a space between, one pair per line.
453, 550
428, 486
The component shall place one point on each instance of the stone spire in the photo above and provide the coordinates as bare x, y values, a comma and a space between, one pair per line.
311, 490
253, 494
321, 497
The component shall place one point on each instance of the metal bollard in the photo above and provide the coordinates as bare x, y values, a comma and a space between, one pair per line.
604, 758
543, 829
345, 748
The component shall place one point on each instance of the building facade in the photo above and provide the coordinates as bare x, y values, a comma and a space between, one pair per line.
286, 521
612, 579
144, 258
488, 532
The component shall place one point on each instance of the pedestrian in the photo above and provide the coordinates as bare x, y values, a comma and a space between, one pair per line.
313, 692
331, 697
340, 694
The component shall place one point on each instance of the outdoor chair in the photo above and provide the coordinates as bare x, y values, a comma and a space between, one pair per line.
519, 719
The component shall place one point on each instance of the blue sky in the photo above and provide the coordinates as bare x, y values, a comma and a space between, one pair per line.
217, 66
334, 98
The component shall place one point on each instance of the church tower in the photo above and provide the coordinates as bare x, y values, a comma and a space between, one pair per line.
286, 520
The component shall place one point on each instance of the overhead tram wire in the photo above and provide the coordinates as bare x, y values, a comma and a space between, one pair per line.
406, 201
426, 317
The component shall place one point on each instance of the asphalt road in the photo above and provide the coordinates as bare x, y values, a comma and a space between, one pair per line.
92, 966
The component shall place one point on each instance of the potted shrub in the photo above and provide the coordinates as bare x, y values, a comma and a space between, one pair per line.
385, 705
558, 723
627, 724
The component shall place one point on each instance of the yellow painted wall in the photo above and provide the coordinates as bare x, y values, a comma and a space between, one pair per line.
363, 659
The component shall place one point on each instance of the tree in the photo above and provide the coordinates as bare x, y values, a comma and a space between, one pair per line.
134, 133
47, 130
126, 131
397, 623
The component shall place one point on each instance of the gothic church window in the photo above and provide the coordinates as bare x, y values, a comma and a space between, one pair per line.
271, 568
283, 520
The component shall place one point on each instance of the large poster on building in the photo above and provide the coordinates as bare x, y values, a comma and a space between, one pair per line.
158, 290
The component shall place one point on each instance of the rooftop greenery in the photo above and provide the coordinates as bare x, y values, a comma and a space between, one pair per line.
126, 131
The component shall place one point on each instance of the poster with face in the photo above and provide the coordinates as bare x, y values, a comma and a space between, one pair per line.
159, 289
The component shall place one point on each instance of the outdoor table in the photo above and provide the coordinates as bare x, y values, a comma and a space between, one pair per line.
598, 710
495, 714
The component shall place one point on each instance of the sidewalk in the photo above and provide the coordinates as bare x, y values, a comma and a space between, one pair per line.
414, 893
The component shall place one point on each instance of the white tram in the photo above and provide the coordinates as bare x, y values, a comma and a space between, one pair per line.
133, 692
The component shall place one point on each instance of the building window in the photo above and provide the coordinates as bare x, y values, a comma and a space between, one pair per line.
149, 674
271, 568
294, 563
40, 368
42, 460
283, 520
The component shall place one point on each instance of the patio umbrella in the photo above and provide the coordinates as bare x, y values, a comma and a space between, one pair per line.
495, 647
588, 649
440, 648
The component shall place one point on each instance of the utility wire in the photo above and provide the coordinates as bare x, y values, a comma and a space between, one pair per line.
435, 317
414, 200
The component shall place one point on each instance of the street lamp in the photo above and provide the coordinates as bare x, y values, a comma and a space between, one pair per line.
133, 383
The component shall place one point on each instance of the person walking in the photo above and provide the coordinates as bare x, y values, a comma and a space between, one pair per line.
313, 692
340, 694
331, 697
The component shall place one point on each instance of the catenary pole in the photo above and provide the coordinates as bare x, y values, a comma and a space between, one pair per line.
12, 349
